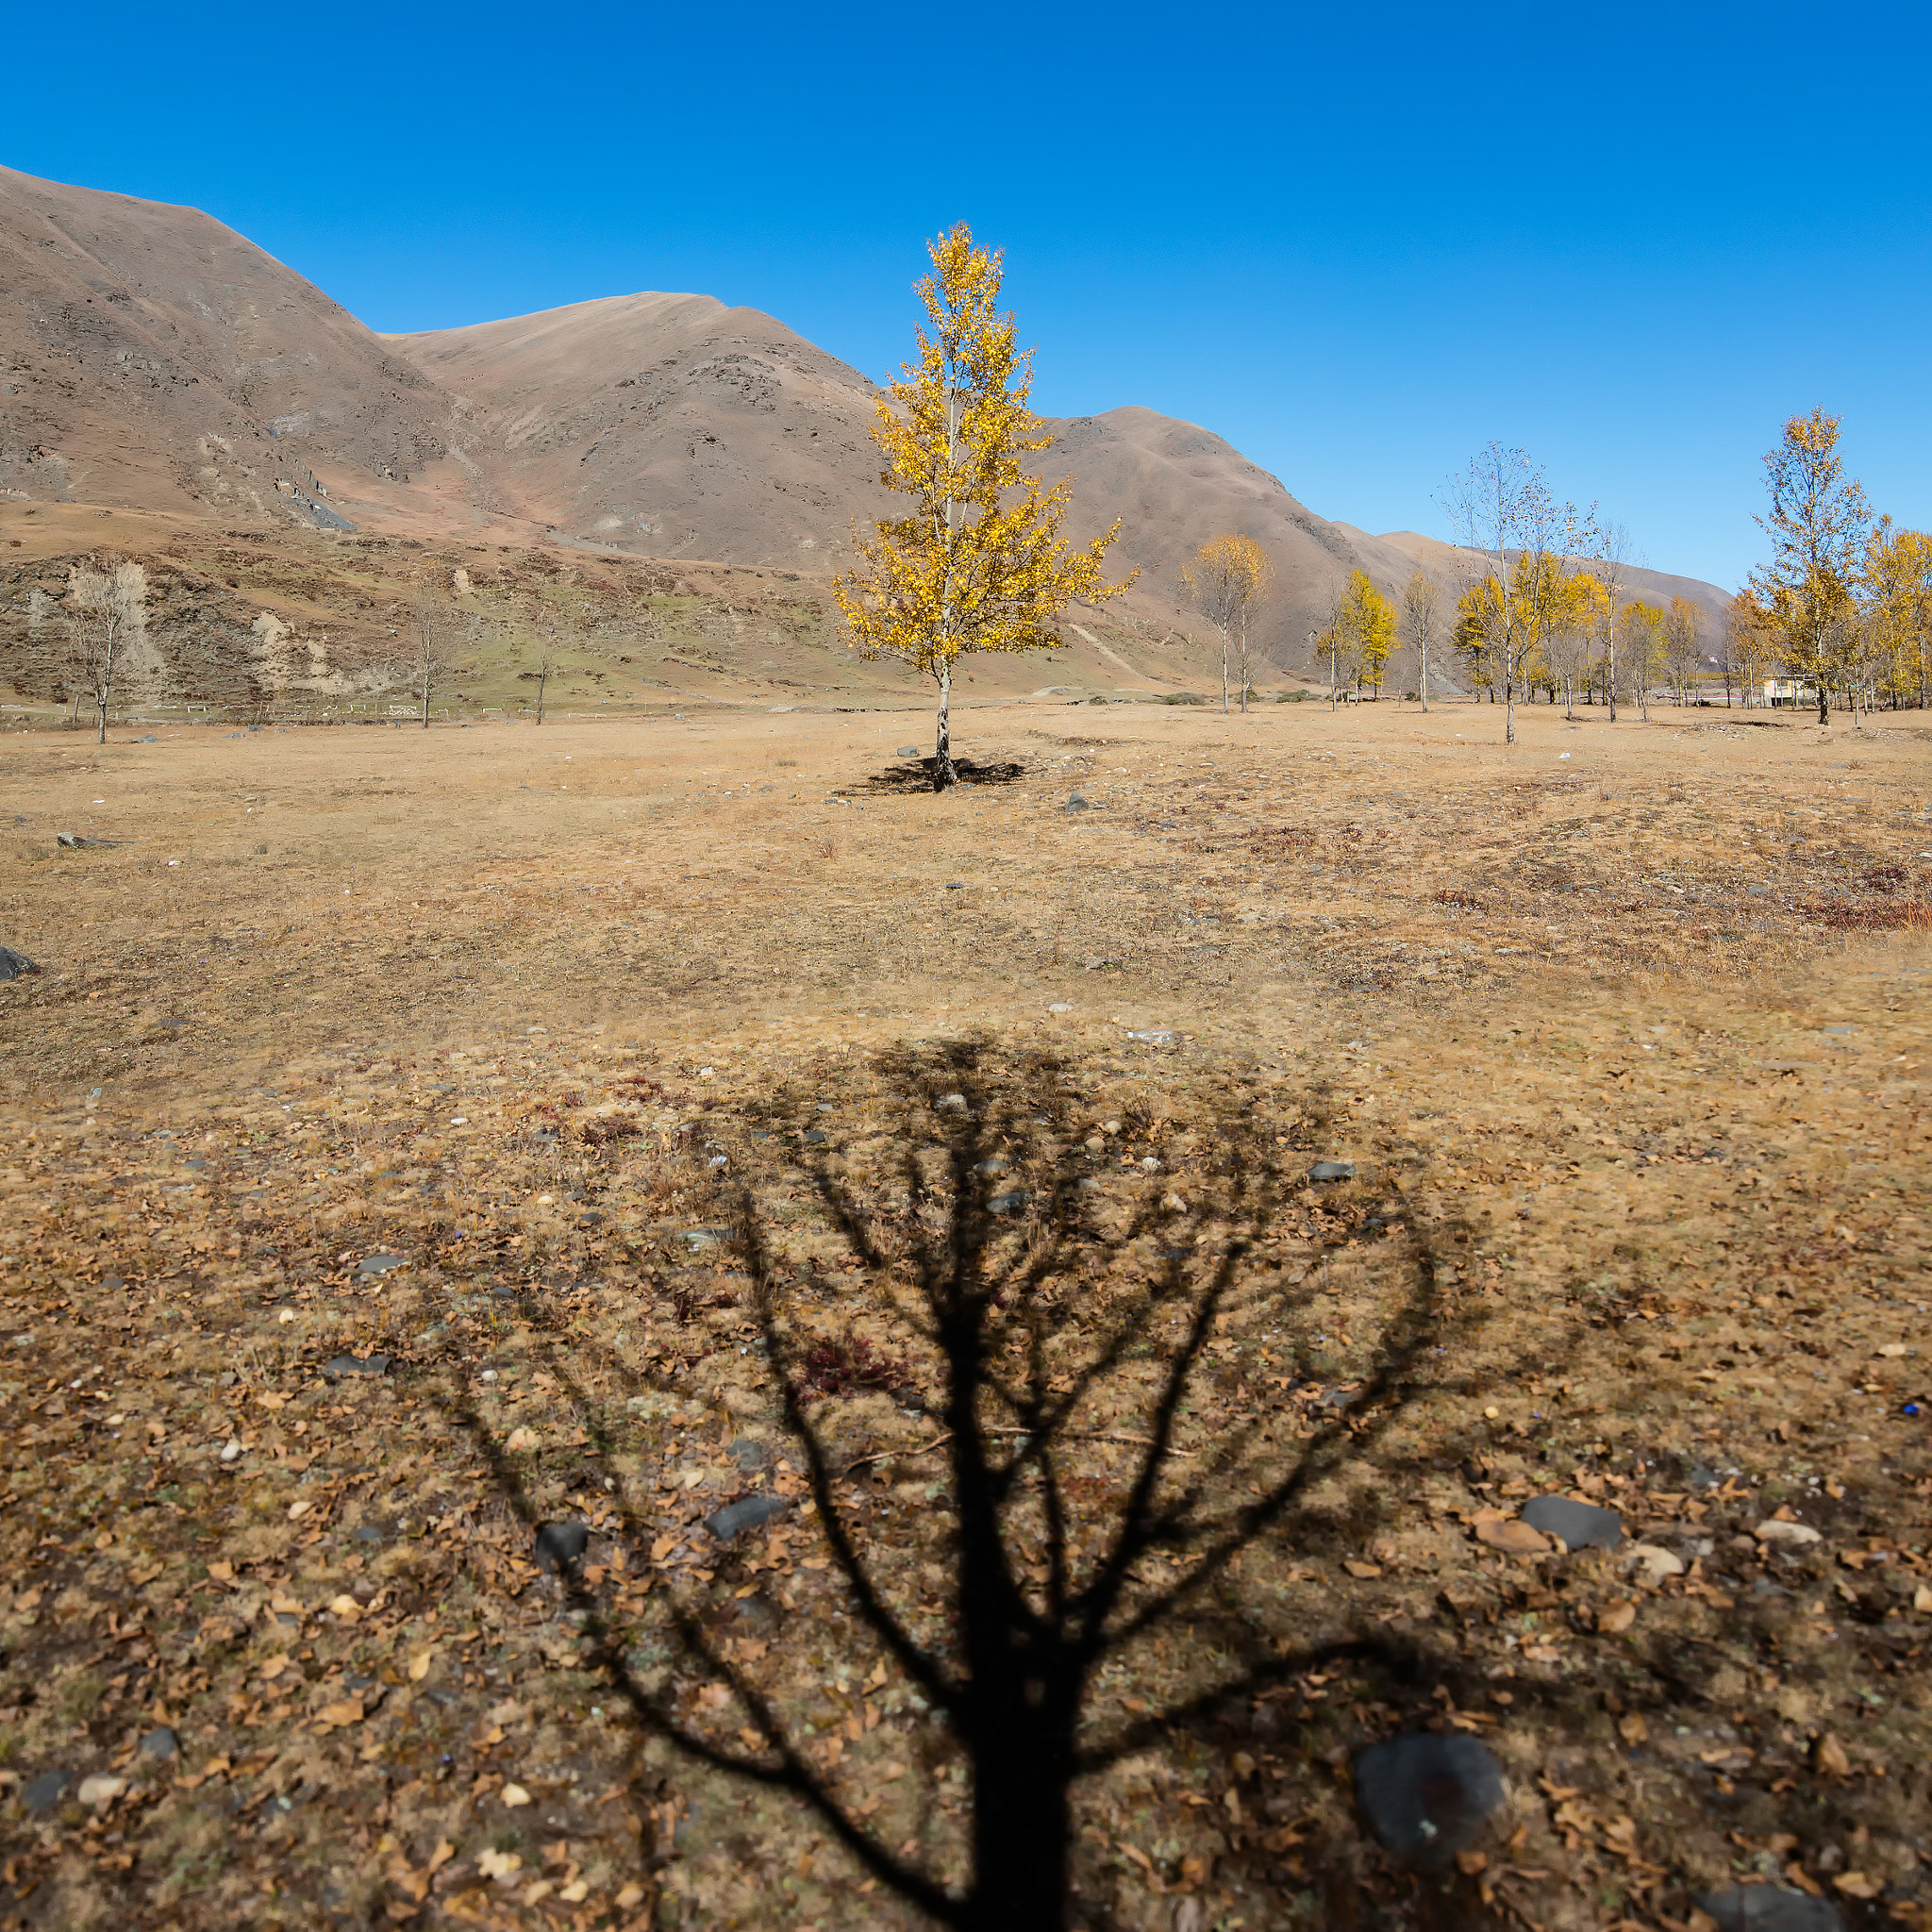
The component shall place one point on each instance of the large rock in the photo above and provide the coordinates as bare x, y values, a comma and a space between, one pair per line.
1426, 1796
1582, 1526
560, 1545
1766, 1908
15, 965
753, 1513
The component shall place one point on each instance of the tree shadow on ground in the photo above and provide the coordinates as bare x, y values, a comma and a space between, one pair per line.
1129, 1428
916, 774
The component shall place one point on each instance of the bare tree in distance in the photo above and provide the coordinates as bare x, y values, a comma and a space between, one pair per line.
1683, 647
1226, 579
1421, 615
1022, 1302
433, 653
107, 609
1502, 511
540, 676
1611, 562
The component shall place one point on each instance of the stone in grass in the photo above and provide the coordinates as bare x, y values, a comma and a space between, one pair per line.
909, 751
754, 1512
750, 1454
1075, 803
380, 1264
1582, 1526
1767, 1909
1428, 1797
562, 1545
358, 1365
161, 1742
15, 965
43, 1793
1332, 1171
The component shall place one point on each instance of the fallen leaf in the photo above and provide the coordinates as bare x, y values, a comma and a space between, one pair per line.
1632, 1728
1857, 1885
441, 1856
536, 1893
1921, 1598
521, 1440
1365, 1570
1828, 1754
632, 1894
1512, 1535
1775, 1531
1470, 1863
221, 1573
498, 1865
347, 1609
336, 1716
514, 1795
576, 1892
300, 1508
418, 1665
1614, 1619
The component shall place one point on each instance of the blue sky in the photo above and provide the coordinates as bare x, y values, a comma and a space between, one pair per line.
1357, 244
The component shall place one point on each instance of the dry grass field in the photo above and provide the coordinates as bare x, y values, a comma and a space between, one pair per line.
483, 1049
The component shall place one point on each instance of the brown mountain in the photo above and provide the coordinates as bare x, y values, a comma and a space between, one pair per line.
151, 358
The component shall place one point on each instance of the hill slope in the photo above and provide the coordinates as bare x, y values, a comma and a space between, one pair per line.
152, 359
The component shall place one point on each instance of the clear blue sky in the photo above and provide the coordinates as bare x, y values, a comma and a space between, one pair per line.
1356, 243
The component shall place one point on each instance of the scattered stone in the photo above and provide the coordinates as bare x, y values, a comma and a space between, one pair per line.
161, 1742
366, 1533
1794, 1534
1655, 1561
70, 840
909, 751
1580, 1525
1009, 1203
43, 1793
1767, 1909
560, 1545
814, 1136
1060, 1006
1075, 803
750, 1454
1154, 1035
754, 1512
1701, 1477
996, 1164
380, 1264
1332, 1171
100, 1790
1428, 1797
358, 1365
951, 1103
15, 965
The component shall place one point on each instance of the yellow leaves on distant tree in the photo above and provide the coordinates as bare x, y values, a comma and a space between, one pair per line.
978, 562
1225, 580
1362, 632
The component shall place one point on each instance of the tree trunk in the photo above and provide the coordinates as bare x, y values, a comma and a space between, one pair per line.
1424, 653
1823, 715
1022, 1826
943, 777
1223, 671
101, 736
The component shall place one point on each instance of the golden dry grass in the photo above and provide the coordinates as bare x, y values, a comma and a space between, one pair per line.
492, 1000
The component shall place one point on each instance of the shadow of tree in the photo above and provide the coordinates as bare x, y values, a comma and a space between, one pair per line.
1134, 1423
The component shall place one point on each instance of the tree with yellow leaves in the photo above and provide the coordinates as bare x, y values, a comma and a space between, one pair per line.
1898, 603
1225, 580
1364, 632
979, 563
1816, 524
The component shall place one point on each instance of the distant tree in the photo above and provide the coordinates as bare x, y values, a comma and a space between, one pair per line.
1683, 647
1422, 611
1570, 640
1748, 641
433, 655
1364, 631
1225, 579
1503, 510
1818, 525
1897, 583
1640, 629
1610, 564
980, 563
107, 609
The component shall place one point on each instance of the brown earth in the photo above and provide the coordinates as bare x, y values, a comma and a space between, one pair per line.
1628, 1049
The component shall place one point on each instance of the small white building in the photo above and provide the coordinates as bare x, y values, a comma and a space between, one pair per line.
1787, 690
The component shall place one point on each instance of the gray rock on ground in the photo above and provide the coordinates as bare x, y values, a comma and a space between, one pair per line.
1582, 1526
15, 965
562, 1545
1332, 1171
161, 1742
1769, 1909
43, 1793
1426, 1796
754, 1512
